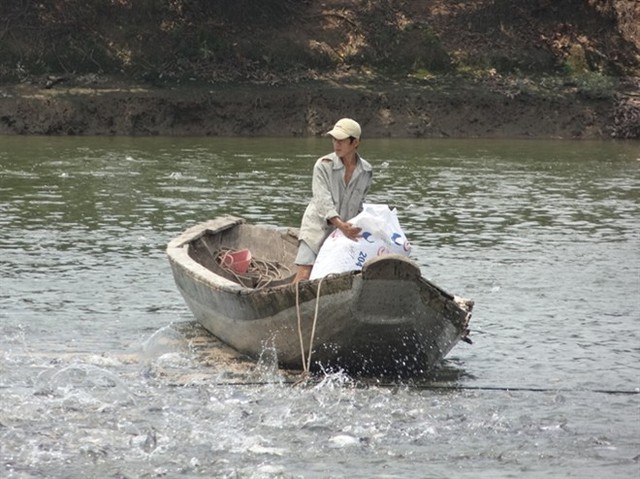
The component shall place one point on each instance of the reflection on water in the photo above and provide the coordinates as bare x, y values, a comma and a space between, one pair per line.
103, 372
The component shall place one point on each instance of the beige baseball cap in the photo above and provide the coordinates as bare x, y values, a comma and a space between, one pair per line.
345, 128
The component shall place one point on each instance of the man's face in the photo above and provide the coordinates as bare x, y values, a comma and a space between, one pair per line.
345, 147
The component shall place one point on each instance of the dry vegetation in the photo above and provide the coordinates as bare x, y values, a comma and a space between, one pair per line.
538, 48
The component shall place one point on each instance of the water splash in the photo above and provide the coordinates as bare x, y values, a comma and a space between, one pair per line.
84, 386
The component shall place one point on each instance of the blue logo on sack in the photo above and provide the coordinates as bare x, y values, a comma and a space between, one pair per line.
368, 237
395, 237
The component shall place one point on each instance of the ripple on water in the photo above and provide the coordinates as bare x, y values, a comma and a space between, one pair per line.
105, 371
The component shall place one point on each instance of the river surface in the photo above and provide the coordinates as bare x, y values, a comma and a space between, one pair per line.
104, 373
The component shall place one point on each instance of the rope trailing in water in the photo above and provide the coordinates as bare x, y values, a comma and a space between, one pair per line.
315, 320
432, 387
306, 364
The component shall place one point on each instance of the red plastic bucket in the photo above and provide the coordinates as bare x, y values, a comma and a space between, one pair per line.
237, 261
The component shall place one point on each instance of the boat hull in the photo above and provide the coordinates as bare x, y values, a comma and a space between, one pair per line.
385, 319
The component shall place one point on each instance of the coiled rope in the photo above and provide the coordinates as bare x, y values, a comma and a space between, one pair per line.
261, 272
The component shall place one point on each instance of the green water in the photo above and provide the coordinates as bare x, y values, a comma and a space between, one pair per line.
100, 374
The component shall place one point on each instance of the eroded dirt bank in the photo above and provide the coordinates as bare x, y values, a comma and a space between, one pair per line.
429, 109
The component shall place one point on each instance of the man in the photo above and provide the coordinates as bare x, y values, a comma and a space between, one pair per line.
340, 183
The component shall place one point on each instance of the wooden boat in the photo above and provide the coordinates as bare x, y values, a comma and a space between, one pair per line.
383, 320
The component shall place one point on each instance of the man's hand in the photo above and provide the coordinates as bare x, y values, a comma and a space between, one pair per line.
350, 231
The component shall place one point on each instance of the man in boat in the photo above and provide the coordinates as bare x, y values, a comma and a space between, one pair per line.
340, 183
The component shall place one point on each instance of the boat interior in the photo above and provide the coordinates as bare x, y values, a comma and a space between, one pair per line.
253, 256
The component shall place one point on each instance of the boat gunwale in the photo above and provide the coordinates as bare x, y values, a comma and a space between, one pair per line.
177, 251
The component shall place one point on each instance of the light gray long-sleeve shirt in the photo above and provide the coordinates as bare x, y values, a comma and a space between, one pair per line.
332, 197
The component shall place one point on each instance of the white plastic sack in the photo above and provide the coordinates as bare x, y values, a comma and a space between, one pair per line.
381, 234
